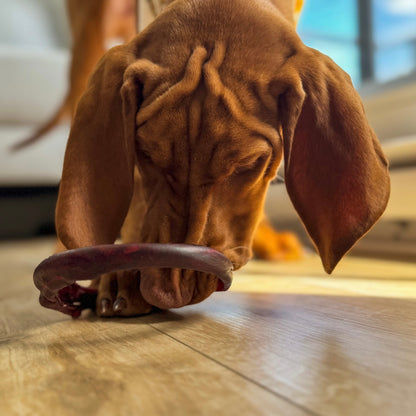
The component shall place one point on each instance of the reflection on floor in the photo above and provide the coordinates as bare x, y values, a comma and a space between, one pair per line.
286, 340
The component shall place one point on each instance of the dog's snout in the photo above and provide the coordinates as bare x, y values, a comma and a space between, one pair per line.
174, 288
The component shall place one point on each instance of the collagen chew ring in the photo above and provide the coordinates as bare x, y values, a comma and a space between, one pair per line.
55, 277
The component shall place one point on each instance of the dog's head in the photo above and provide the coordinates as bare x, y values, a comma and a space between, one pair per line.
207, 137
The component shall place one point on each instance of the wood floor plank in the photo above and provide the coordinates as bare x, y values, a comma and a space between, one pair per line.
119, 368
50, 364
322, 342
286, 340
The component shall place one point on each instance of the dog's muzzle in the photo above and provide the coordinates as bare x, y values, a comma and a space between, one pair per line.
55, 276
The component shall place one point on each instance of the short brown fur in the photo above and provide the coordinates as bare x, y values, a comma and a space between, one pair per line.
181, 131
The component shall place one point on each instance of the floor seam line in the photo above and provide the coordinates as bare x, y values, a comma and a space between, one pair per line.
262, 386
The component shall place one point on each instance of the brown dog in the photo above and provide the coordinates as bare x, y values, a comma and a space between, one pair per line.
181, 131
94, 24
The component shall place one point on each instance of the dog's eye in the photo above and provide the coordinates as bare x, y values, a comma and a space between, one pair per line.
253, 167
147, 158
143, 154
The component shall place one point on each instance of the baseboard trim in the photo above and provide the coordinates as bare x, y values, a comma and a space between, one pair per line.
27, 211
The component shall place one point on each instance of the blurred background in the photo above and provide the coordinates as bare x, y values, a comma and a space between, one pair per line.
373, 40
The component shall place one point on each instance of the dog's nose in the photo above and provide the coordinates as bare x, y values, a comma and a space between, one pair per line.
174, 288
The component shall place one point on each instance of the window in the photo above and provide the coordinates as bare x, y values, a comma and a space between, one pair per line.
373, 40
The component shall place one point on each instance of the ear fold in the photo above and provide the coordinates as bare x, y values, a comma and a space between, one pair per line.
335, 171
97, 178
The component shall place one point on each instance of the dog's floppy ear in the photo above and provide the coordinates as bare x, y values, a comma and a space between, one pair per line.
97, 177
335, 171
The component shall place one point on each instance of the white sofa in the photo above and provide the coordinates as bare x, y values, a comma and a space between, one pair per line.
34, 56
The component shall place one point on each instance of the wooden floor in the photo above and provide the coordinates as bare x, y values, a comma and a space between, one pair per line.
286, 340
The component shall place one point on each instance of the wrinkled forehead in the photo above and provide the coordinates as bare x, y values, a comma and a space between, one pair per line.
219, 141
202, 113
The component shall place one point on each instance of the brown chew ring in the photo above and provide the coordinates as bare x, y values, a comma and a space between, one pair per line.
55, 276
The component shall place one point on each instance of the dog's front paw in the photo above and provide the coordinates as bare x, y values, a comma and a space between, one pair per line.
119, 295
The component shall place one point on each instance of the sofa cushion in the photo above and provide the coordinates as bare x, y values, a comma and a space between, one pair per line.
34, 53
38, 165
39, 24
32, 83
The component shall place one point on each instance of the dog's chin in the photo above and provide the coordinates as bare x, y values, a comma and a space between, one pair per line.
174, 288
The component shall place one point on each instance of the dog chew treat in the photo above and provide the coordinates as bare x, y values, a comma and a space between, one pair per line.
55, 276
